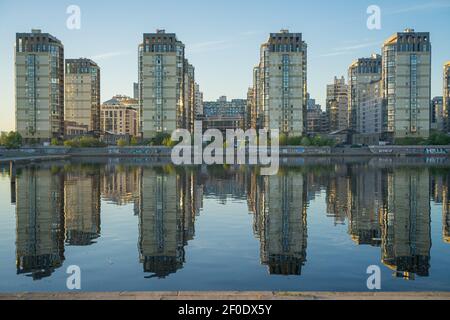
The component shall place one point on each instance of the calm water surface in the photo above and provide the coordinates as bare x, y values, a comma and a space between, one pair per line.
131, 225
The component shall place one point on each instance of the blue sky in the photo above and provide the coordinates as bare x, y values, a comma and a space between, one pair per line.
222, 38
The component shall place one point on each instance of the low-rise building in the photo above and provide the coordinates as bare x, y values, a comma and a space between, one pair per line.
119, 116
223, 114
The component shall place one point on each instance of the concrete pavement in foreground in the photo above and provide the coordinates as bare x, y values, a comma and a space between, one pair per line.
228, 296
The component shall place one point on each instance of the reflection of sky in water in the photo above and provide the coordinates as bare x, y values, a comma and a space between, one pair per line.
315, 226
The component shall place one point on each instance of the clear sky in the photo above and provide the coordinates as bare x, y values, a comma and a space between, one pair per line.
222, 38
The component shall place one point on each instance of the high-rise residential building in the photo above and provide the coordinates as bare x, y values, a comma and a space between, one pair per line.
39, 75
361, 72
255, 114
82, 93
119, 116
406, 76
249, 109
314, 115
136, 91
437, 114
446, 96
162, 71
189, 97
370, 109
337, 105
282, 83
198, 100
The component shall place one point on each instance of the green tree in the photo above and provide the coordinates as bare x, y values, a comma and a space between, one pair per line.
134, 141
283, 139
84, 142
122, 143
55, 142
438, 139
159, 139
11, 140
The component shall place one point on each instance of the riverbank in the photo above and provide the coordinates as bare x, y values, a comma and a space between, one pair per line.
217, 295
45, 153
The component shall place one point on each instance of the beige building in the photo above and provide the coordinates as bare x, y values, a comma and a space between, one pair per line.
119, 116
82, 93
282, 83
255, 108
446, 102
189, 97
39, 86
337, 105
361, 73
406, 76
163, 74
198, 101
370, 109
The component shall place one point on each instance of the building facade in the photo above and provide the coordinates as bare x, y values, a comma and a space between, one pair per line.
119, 116
162, 77
223, 114
406, 76
198, 100
282, 83
370, 109
39, 84
437, 114
189, 97
361, 73
82, 93
446, 96
314, 118
337, 105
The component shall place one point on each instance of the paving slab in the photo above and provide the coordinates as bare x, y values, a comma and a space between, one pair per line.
226, 295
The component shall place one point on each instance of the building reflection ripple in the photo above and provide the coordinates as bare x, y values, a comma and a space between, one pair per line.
383, 205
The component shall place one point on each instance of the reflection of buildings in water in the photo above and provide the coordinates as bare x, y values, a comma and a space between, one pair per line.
40, 221
366, 205
166, 219
224, 183
280, 221
120, 184
82, 207
446, 210
437, 188
339, 195
406, 241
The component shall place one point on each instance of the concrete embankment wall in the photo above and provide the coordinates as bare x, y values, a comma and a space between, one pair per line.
288, 151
